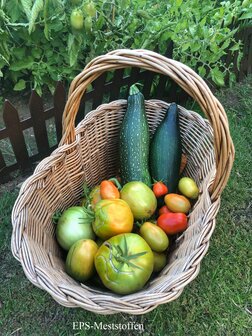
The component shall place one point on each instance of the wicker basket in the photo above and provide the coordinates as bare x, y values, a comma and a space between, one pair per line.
89, 153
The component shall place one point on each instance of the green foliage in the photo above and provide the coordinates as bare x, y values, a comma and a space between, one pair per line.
40, 44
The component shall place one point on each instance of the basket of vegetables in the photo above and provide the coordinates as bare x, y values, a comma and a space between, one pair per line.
119, 216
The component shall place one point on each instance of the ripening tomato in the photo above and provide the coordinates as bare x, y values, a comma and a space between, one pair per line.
124, 263
159, 189
140, 198
112, 217
177, 203
159, 261
154, 236
188, 187
172, 223
80, 259
163, 210
108, 190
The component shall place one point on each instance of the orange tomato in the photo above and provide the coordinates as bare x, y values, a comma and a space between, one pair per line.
112, 217
177, 203
108, 190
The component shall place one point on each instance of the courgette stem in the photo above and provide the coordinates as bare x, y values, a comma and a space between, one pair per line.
133, 89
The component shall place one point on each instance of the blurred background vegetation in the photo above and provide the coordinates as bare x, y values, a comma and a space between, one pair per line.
43, 41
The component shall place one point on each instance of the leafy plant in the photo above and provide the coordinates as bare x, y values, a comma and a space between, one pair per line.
43, 41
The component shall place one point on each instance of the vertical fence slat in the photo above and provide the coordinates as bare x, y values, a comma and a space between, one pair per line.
169, 50
59, 101
249, 44
148, 81
244, 62
2, 162
38, 121
116, 84
98, 92
160, 90
16, 136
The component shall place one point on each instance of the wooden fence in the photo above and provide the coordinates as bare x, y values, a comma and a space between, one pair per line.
104, 89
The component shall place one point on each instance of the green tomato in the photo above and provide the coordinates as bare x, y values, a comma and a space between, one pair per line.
124, 263
74, 224
188, 187
88, 24
141, 199
246, 3
80, 259
154, 236
89, 8
77, 19
159, 261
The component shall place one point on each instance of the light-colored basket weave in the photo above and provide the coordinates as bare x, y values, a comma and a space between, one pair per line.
89, 153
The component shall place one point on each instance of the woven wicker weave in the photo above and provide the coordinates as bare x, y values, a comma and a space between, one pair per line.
89, 153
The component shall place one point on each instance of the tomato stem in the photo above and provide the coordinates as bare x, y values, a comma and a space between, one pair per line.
116, 182
138, 224
56, 216
89, 212
122, 255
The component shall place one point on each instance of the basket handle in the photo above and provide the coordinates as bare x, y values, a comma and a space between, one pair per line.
184, 76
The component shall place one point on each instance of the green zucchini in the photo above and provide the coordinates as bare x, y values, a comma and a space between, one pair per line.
135, 140
166, 150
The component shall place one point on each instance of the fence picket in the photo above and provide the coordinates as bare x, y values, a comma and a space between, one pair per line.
116, 84
59, 101
38, 120
16, 136
98, 91
2, 163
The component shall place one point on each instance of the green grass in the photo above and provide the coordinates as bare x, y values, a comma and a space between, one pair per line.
218, 302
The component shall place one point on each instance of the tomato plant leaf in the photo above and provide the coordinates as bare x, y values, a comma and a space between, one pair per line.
246, 15
217, 76
202, 71
27, 4
20, 85
36, 8
25, 63
235, 47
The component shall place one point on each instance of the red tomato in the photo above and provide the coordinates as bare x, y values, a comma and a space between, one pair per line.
172, 223
164, 210
159, 189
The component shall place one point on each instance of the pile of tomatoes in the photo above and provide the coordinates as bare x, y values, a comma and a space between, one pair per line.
119, 236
